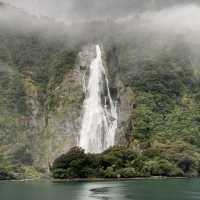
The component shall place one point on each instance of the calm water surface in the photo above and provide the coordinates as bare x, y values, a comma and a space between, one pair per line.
128, 190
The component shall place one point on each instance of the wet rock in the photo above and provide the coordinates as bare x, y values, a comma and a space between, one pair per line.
6, 176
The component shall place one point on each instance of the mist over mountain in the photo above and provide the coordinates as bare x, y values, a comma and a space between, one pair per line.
76, 10
71, 18
150, 50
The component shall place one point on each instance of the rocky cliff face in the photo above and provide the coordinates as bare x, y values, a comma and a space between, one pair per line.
63, 124
60, 132
123, 95
40, 102
56, 130
120, 92
51, 123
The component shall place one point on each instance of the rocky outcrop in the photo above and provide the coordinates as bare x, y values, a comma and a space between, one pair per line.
121, 93
6, 176
124, 96
125, 99
64, 122
56, 129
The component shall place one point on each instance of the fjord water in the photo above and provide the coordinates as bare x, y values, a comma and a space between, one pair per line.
100, 115
187, 189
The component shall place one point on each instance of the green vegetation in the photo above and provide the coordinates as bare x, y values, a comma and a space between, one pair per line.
31, 67
173, 160
164, 123
166, 104
163, 131
10, 170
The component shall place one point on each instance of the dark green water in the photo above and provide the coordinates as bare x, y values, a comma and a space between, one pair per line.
134, 190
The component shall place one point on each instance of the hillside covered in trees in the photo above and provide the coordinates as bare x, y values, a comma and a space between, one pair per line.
162, 133
154, 72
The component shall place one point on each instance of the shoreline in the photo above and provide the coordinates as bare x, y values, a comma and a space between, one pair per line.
99, 179
21, 180
117, 179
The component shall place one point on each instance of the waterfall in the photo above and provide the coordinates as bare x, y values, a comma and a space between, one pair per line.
99, 122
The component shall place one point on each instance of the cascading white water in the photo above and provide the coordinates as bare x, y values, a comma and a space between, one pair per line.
100, 113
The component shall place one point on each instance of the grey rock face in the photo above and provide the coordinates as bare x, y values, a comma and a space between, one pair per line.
65, 121
120, 93
52, 132
62, 131
125, 95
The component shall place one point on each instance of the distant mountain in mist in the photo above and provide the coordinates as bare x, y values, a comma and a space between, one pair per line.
75, 10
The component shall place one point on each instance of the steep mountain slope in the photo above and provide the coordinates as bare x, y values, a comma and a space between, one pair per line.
153, 74
37, 76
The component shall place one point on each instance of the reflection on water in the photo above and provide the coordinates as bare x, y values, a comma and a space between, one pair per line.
101, 193
188, 189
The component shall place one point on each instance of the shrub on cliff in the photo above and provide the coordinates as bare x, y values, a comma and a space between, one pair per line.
158, 159
114, 162
75, 164
161, 168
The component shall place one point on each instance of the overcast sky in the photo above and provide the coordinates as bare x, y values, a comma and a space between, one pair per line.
91, 9
158, 19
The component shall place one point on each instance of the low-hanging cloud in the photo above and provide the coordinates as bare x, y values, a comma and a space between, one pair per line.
75, 10
179, 20
158, 21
